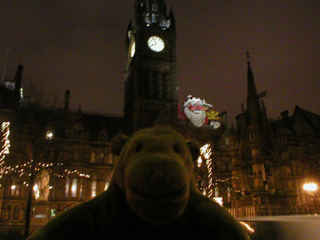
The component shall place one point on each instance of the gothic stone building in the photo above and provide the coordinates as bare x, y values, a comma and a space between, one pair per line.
257, 167
63, 156
272, 160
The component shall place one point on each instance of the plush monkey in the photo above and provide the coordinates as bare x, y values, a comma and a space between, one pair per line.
152, 195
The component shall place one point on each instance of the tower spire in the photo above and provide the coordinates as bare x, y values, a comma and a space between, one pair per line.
253, 104
18, 82
172, 19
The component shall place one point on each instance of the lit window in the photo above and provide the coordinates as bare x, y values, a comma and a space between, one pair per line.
49, 134
94, 189
16, 212
107, 185
93, 157
80, 188
13, 190
21, 93
110, 159
154, 7
74, 187
153, 18
8, 213
36, 191
101, 158
67, 187
52, 213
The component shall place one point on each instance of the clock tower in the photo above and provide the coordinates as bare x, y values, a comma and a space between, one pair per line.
151, 84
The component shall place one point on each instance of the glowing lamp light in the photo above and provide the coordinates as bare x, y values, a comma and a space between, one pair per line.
106, 186
247, 226
311, 187
199, 161
74, 188
219, 200
36, 190
35, 187
49, 135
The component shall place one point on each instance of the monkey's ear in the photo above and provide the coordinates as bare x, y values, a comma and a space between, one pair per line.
118, 142
194, 149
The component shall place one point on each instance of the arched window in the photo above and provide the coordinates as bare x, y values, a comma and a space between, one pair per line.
67, 188
36, 190
74, 187
81, 188
101, 158
165, 86
94, 187
77, 130
110, 159
15, 188
8, 213
155, 85
154, 7
16, 213
93, 157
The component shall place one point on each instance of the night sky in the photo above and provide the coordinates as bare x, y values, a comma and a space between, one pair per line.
79, 45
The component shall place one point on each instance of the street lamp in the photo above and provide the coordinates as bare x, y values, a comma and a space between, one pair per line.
310, 187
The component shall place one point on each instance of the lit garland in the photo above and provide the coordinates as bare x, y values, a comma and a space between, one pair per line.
226, 179
206, 153
20, 170
5, 139
26, 169
6, 144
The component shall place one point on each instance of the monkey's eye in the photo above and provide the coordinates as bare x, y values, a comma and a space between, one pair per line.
177, 148
139, 146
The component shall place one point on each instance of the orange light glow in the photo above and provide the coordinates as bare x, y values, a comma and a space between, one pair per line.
310, 187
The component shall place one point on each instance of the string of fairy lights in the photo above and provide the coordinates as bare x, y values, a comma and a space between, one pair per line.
22, 170
206, 155
206, 152
5, 130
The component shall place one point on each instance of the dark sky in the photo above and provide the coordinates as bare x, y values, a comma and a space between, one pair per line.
79, 45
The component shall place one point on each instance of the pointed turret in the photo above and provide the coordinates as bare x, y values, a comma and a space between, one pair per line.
18, 81
139, 8
129, 31
66, 100
172, 19
253, 104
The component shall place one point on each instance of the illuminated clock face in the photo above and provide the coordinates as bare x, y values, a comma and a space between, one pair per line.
132, 49
156, 44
